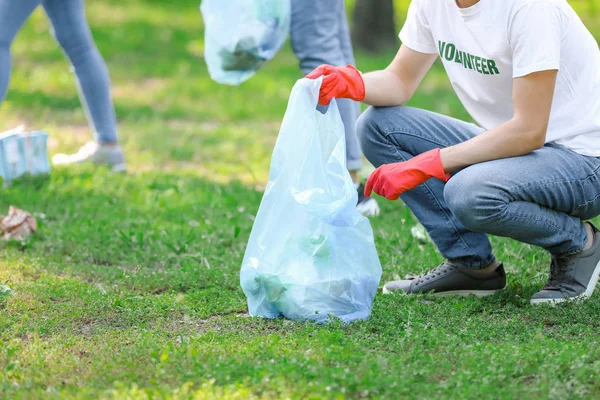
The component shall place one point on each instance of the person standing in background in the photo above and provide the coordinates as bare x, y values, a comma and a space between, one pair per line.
320, 35
71, 30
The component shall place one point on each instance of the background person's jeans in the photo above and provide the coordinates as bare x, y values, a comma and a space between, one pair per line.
540, 198
320, 35
72, 32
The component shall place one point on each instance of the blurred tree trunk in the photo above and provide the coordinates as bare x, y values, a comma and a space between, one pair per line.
373, 27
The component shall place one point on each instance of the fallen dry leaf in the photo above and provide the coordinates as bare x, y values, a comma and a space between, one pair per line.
17, 224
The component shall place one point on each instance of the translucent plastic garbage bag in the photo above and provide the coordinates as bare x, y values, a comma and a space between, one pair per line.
310, 253
242, 35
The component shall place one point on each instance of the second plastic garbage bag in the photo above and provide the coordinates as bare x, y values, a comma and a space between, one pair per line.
310, 253
242, 35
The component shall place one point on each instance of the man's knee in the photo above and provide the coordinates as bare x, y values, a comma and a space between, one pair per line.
473, 201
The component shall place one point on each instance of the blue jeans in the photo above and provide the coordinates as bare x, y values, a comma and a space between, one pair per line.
73, 34
320, 35
540, 198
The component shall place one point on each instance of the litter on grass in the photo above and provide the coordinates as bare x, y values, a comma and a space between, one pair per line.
5, 292
17, 224
418, 232
23, 152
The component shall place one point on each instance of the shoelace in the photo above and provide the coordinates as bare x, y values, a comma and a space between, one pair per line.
559, 267
434, 273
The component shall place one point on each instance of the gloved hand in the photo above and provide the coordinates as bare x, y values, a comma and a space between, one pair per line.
391, 180
340, 82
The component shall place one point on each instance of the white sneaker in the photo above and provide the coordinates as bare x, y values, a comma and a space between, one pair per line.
92, 152
367, 206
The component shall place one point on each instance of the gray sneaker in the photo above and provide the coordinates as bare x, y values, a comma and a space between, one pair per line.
92, 152
451, 279
572, 278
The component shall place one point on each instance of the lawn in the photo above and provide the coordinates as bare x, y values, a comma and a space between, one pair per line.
130, 289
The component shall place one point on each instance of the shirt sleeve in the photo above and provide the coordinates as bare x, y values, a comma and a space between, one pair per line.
416, 33
535, 36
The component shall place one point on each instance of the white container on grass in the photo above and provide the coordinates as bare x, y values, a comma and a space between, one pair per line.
23, 153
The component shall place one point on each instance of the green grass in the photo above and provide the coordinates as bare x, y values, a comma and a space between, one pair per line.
130, 289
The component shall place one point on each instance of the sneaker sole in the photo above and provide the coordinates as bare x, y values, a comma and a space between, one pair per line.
589, 290
459, 293
467, 293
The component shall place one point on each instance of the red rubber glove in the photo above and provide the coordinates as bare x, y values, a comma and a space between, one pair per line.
340, 82
391, 180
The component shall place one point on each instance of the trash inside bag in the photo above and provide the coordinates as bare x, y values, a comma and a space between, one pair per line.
242, 35
310, 253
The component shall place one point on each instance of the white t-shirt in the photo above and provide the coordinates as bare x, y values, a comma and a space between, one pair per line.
485, 46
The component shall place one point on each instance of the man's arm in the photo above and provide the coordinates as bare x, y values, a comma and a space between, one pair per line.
524, 133
396, 84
